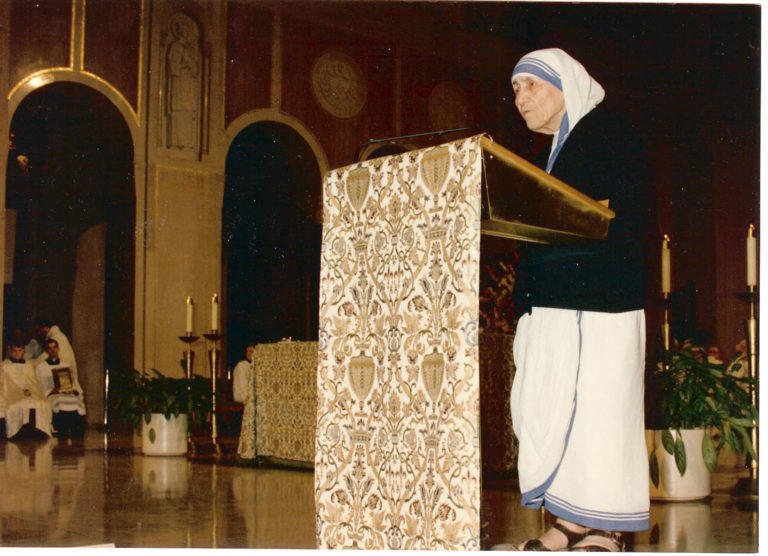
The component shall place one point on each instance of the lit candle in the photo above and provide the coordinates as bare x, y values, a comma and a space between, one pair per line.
751, 257
666, 280
190, 309
215, 312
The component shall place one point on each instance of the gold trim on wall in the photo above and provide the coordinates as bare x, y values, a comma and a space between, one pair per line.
40, 78
46, 76
276, 73
74, 44
141, 62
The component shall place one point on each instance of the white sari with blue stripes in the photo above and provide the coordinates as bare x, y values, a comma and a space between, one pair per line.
577, 410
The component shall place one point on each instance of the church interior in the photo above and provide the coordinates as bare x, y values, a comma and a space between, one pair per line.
164, 192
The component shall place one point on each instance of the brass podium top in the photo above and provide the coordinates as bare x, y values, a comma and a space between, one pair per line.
521, 201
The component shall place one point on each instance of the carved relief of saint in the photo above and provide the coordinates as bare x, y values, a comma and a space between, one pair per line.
183, 84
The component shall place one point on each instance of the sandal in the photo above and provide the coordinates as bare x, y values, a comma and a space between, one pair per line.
572, 538
600, 541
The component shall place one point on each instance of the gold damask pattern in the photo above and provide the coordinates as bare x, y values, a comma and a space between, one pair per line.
280, 408
397, 461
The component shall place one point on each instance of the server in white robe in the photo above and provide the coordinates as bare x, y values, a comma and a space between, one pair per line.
23, 397
241, 377
48, 330
58, 376
577, 396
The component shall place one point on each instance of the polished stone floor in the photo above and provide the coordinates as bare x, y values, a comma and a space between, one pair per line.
101, 491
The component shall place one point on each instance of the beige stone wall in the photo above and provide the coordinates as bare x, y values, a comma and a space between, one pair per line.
88, 319
182, 255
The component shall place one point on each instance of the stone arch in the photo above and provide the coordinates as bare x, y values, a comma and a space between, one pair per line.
268, 114
40, 79
132, 117
271, 230
76, 205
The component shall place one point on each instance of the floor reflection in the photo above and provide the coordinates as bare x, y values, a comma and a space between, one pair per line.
277, 507
37, 490
77, 494
682, 527
164, 477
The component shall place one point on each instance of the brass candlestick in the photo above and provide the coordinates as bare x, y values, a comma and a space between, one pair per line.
665, 324
188, 357
213, 359
746, 490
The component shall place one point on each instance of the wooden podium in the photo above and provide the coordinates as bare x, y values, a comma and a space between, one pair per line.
397, 449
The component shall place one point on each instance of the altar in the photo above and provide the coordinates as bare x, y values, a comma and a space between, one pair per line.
280, 407
279, 414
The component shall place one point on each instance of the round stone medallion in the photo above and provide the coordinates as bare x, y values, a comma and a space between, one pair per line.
338, 84
448, 106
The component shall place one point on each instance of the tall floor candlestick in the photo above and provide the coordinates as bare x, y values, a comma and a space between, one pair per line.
665, 324
753, 373
666, 288
213, 353
751, 327
189, 359
746, 490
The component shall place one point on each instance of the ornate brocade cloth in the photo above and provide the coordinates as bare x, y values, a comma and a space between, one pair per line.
397, 462
280, 408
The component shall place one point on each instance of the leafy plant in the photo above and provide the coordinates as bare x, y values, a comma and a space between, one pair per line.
136, 396
696, 393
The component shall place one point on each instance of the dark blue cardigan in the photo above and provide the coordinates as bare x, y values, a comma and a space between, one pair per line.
603, 158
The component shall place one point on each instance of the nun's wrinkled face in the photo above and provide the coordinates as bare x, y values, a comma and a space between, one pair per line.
541, 104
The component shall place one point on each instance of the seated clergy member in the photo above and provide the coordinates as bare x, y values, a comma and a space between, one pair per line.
27, 411
58, 378
49, 331
241, 376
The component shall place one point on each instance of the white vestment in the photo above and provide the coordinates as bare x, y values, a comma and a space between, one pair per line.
241, 381
14, 380
577, 410
66, 353
60, 401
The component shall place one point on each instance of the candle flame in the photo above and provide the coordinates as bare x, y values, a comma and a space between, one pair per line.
666, 240
215, 298
751, 230
189, 300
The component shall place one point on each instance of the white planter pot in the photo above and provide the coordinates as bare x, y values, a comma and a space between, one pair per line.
695, 484
164, 437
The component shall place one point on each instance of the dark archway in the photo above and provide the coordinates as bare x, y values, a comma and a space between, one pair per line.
75, 176
271, 238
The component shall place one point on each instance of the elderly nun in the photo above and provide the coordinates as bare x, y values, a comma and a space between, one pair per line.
577, 396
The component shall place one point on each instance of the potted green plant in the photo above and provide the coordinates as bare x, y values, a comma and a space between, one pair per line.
159, 407
705, 410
